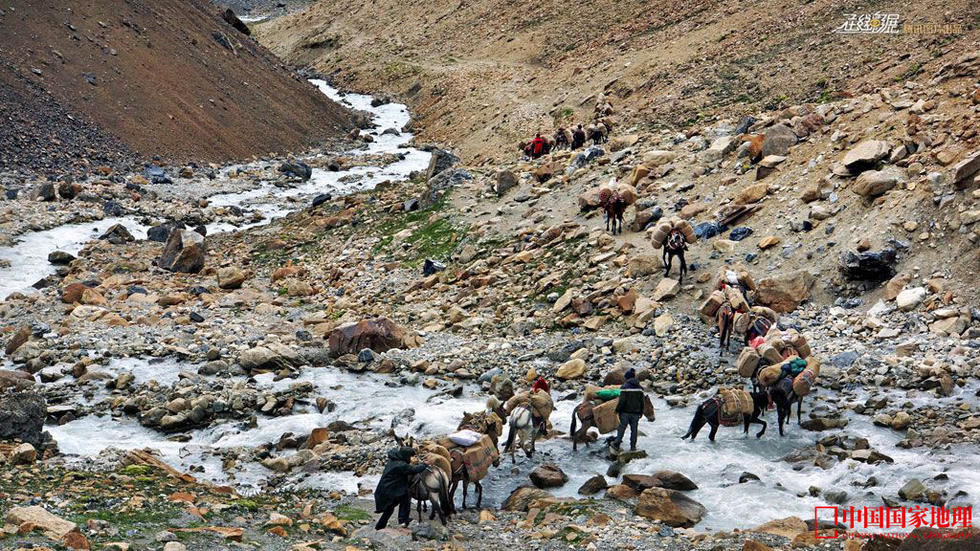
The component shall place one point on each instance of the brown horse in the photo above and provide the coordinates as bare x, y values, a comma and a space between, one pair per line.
613, 205
725, 318
582, 413
485, 422
709, 413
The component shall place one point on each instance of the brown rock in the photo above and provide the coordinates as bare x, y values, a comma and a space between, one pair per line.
753, 545
769, 241
865, 154
72, 293
548, 475
230, 277
751, 194
522, 498
379, 335
53, 526
787, 527
925, 538
963, 170
589, 200
621, 492
93, 298
777, 141
670, 507
19, 338
785, 292
895, 285
184, 252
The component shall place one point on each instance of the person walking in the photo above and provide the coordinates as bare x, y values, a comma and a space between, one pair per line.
394, 488
629, 409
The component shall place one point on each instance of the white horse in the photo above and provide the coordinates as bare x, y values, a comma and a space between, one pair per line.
521, 423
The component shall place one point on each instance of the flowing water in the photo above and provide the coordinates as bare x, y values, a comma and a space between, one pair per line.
29, 256
374, 400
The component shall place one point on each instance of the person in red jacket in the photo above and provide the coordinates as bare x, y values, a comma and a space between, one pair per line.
541, 384
537, 146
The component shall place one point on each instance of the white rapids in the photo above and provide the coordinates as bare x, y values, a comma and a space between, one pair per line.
29, 256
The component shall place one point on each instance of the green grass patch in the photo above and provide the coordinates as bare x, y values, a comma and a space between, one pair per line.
136, 470
352, 513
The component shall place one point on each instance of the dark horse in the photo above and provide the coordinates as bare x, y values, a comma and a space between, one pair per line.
675, 245
613, 206
782, 396
710, 413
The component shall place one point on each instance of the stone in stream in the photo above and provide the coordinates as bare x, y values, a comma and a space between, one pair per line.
161, 232
19, 338
548, 475
60, 258
670, 480
296, 169
593, 485
670, 507
184, 252
913, 490
117, 234
22, 415
321, 199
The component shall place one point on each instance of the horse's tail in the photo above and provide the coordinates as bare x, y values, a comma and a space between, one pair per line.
445, 501
512, 425
697, 413
574, 426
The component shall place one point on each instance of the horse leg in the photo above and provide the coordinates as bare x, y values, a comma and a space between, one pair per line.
755, 419
466, 484
479, 494
683, 266
781, 415
799, 406
669, 256
714, 429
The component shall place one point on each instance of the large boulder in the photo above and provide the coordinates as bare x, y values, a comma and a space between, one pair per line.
18, 339
296, 169
12, 378
670, 507
872, 183
184, 252
657, 157
379, 335
22, 416
572, 369
548, 475
230, 277
522, 498
589, 200
784, 293
442, 182
117, 234
777, 141
869, 265
926, 538
787, 527
506, 180
272, 357
53, 526
440, 161
865, 155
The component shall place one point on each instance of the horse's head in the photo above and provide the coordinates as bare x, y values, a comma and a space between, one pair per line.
675, 241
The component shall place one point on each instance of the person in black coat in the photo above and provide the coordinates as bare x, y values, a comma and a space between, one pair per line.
394, 488
629, 408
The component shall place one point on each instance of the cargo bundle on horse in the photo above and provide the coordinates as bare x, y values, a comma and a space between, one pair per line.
614, 199
470, 453
729, 408
527, 415
598, 409
674, 236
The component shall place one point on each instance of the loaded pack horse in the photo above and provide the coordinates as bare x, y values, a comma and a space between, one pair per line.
521, 426
675, 245
709, 413
583, 413
613, 206
485, 423
725, 319
430, 486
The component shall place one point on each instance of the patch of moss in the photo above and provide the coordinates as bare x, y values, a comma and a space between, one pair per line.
351, 513
136, 470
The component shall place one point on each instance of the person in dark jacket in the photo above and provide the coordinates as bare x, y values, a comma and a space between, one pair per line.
629, 408
394, 488
578, 137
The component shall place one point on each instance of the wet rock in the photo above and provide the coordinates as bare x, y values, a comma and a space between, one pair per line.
522, 497
670, 507
913, 490
548, 475
22, 415
296, 169
673, 480
925, 538
379, 334
621, 492
15, 379
117, 234
785, 292
161, 232
321, 199
269, 357
746, 477
868, 266
60, 258
184, 252
593, 485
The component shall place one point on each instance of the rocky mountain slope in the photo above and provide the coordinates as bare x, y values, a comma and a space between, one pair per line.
483, 75
165, 78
